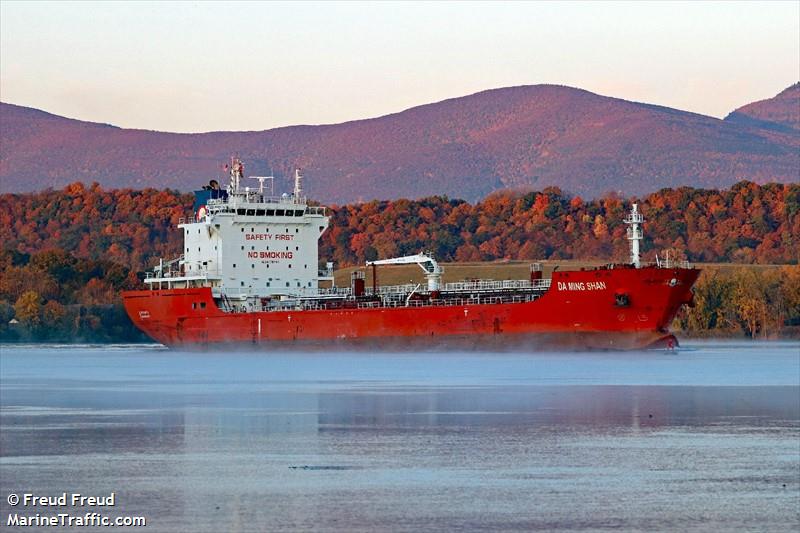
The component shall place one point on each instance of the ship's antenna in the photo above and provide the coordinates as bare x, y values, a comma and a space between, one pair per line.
635, 235
233, 186
298, 184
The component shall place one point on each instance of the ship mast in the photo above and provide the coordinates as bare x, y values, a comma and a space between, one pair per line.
635, 235
298, 184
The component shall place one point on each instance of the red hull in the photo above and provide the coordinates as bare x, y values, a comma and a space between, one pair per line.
576, 312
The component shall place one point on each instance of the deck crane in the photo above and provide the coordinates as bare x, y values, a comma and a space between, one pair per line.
433, 272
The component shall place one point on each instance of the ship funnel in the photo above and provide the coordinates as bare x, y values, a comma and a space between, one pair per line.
635, 235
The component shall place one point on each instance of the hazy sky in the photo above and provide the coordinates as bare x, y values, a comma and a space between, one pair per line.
199, 66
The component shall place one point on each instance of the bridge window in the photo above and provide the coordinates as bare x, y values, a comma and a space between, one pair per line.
270, 212
259, 212
279, 212
251, 212
298, 213
240, 211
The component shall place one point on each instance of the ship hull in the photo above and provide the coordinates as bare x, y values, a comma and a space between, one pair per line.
581, 310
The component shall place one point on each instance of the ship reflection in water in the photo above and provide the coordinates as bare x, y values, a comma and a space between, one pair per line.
701, 439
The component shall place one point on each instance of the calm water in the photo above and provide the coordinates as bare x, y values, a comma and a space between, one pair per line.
704, 439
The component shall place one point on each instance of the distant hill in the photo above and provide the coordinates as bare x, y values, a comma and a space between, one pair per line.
781, 113
518, 137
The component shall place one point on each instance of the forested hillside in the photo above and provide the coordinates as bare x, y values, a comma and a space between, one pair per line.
748, 223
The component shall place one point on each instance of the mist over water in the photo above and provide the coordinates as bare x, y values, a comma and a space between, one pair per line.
706, 438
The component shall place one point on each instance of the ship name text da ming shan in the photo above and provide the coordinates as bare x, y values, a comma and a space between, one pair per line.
249, 275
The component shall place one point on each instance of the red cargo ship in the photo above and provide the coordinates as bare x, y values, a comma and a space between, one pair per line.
249, 275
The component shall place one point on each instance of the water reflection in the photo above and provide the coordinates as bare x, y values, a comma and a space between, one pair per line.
212, 444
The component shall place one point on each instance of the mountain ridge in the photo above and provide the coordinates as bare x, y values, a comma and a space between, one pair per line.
529, 136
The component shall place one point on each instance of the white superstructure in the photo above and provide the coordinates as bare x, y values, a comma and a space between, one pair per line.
248, 244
